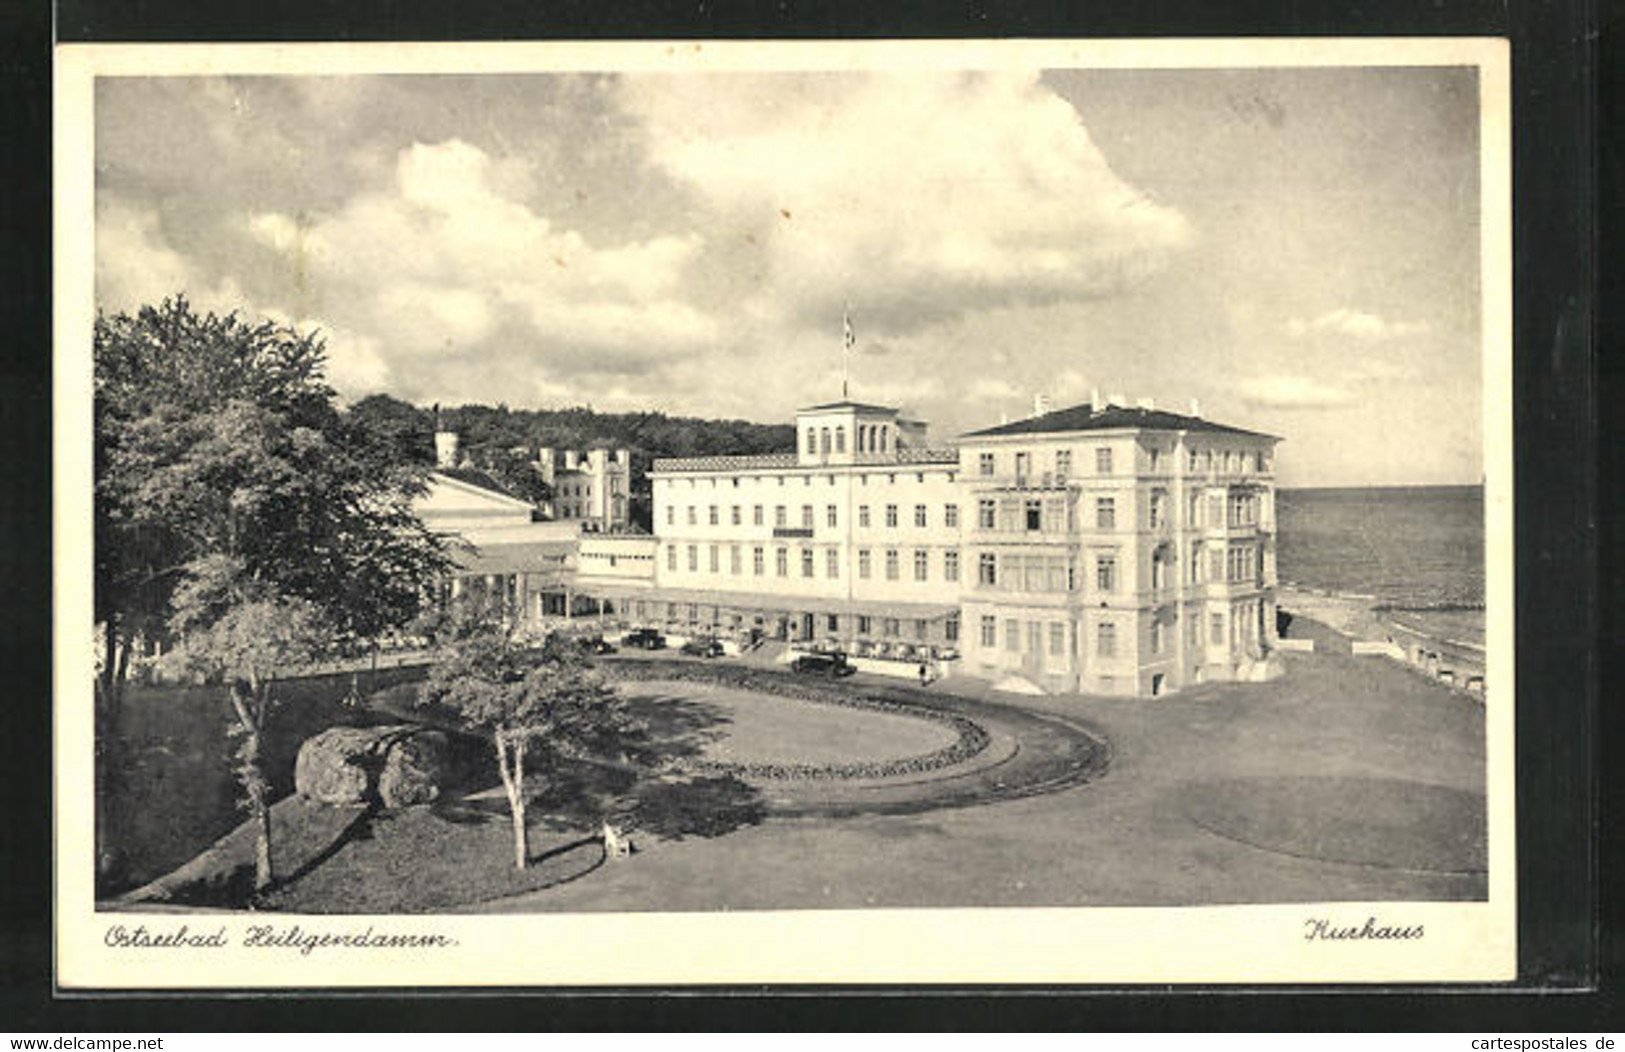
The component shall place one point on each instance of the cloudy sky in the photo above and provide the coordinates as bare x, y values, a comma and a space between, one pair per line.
1297, 249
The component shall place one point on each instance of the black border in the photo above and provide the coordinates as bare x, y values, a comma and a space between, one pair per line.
1557, 472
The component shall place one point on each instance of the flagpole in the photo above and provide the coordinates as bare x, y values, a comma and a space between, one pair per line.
846, 350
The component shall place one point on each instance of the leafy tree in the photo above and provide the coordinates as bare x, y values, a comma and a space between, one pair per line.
231, 489
240, 633
536, 707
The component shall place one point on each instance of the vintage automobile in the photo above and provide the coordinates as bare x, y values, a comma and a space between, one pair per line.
703, 646
644, 639
822, 664
595, 645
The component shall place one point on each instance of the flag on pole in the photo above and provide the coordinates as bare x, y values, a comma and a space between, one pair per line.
846, 325
846, 347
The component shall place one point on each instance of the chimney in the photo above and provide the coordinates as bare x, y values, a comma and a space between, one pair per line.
1040, 404
1196, 407
1116, 399
623, 457
1095, 404
1147, 404
572, 460
544, 464
445, 449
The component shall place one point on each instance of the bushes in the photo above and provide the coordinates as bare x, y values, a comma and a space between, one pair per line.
970, 738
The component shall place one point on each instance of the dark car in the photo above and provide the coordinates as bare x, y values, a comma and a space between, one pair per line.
595, 645
831, 665
703, 647
645, 639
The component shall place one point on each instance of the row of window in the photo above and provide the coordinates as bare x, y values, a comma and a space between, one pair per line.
806, 479
891, 561
1198, 462
1244, 629
832, 517
868, 438
865, 624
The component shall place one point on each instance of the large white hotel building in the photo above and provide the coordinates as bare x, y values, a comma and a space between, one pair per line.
1100, 548
1106, 549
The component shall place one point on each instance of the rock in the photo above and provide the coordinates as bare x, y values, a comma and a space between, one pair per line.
337, 765
414, 769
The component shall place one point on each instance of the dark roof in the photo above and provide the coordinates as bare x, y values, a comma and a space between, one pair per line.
1084, 418
844, 404
479, 479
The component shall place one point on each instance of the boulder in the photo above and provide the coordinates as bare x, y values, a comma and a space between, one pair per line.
337, 766
415, 768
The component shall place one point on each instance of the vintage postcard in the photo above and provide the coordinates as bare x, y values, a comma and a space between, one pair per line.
988, 512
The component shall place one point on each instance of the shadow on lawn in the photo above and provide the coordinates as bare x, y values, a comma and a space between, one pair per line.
642, 789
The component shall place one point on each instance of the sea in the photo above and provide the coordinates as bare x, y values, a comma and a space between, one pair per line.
1402, 547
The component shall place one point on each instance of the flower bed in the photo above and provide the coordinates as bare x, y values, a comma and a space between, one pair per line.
970, 739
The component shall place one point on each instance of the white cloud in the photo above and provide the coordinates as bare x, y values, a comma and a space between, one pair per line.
1358, 324
914, 196
1292, 392
444, 259
136, 265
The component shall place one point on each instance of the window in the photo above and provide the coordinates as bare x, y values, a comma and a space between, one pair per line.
1215, 635
1156, 460
990, 632
1105, 573
1057, 637
806, 516
737, 519
832, 623
1197, 562
1216, 566
840, 440
1035, 514
758, 560
1105, 513
1063, 463
950, 566
713, 515
781, 518
781, 561
985, 464
1012, 635
823, 440
756, 515
806, 562
891, 626
891, 516
950, 628
812, 441
950, 516
832, 563
693, 558
671, 557
831, 516
1157, 634
922, 565
714, 559
1193, 510
1024, 465
919, 628
1159, 509
863, 516
671, 515
987, 568
691, 515
1193, 459
1106, 639
919, 515
863, 563
865, 624
987, 513
733, 559
1103, 460
891, 564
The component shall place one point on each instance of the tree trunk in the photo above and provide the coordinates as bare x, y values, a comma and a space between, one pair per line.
513, 783
255, 784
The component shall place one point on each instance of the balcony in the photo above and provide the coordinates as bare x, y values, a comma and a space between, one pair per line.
1038, 480
792, 532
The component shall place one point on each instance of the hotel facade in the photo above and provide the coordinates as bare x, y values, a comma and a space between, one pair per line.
1101, 548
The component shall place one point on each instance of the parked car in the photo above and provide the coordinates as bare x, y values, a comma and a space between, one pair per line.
831, 665
595, 645
644, 639
703, 647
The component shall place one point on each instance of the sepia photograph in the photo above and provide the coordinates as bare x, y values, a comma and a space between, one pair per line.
833, 503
